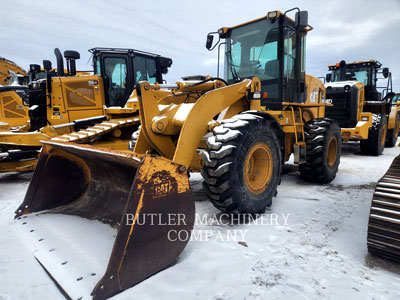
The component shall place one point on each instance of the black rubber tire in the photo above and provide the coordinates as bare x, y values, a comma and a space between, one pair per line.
224, 161
392, 135
317, 133
372, 145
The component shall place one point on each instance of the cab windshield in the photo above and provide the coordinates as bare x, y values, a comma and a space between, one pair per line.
252, 50
359, 74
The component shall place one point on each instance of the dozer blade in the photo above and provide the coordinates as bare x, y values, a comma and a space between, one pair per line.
384, 218
146, 201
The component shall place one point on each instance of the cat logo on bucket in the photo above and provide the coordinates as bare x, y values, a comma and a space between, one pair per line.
162, 188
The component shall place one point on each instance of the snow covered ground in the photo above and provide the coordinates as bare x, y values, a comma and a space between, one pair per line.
318, 252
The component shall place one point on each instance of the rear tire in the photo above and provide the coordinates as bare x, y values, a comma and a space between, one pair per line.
324, 146
375, 144
393, 134
242, 165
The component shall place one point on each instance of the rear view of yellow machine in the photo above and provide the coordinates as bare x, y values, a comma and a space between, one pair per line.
236, 131
68, 106
13, 95
362, 108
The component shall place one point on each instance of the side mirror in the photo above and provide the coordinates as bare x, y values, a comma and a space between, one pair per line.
47, 65
210, 39
328, 77
34, 68
165, 63
385, 72
301, 19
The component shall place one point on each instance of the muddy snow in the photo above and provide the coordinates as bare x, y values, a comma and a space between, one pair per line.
310, 244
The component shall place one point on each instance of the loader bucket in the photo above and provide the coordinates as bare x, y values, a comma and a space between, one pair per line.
115, 188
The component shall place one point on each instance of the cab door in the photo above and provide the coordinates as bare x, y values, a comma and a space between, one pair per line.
116, 71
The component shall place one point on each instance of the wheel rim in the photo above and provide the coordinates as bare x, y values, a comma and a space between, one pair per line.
332, 152
258, 168
383, 137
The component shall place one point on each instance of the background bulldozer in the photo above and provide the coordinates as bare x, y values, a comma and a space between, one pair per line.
69, 106
236, 131
361, 107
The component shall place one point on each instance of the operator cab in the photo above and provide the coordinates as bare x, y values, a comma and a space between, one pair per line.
369, 73
121, 69
271, 48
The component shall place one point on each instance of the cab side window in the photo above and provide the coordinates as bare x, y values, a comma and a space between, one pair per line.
144, 69
116, 78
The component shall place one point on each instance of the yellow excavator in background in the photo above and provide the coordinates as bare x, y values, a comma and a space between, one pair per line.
13, 95
6, 66
237, 131
70, 106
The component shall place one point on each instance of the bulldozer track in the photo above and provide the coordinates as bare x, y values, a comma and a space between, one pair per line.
384, 219
94, 132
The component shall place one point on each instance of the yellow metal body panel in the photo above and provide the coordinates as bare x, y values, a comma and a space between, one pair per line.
25, 138
12, 111
18, 166
73, 98
360, 132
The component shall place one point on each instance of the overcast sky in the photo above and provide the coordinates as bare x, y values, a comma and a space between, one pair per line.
343, 29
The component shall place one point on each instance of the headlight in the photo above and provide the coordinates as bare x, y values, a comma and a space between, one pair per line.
272, 15
314, 96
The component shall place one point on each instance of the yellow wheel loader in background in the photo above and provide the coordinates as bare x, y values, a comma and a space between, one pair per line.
393, 121
360, 106
82, 108
237, 131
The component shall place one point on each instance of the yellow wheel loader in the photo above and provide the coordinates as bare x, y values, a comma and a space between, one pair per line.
69, 106
360, 106
236, 131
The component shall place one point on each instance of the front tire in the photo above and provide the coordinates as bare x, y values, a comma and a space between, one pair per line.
242, 165
324, 146
375, 144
